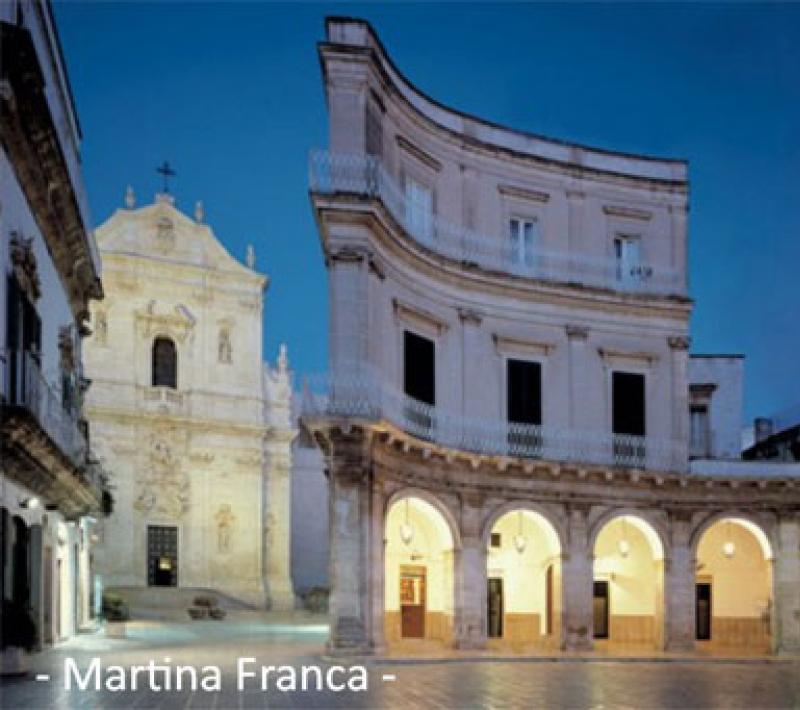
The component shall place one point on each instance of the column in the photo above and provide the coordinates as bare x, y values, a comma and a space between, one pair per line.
376, 564
278, 526
577, 579
786, 570
679, 588
470, 580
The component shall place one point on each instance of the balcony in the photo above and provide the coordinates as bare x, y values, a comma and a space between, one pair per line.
364, 175
351, 394
26, 390
42, 442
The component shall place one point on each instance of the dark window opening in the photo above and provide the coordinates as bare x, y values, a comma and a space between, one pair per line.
496, 540
628, 411
628, 418
524, 402
165, 363
420, 368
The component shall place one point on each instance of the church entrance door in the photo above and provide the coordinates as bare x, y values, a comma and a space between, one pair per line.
412, 602
162, 556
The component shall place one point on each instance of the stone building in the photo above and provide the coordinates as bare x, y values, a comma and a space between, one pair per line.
51, 486
196, 427
506, 421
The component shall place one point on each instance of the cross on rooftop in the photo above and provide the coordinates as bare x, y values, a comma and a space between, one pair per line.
167, 171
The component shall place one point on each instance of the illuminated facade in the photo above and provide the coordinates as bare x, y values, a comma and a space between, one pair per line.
521, 451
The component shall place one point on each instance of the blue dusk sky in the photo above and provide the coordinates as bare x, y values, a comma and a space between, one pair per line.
231, 95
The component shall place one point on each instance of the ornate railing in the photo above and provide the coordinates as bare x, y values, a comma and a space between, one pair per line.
360, 394
25, 386
360, 174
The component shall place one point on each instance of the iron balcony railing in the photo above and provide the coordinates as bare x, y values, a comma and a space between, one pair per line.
360, 394
25, 386
331, 173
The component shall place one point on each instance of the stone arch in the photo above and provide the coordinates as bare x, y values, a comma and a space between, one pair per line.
441, 507
555, 525
524, 604
739, 580
760, 528
421, 553
660, 542
628, 577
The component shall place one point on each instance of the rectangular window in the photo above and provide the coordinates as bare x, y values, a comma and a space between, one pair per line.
524, 235
524, 392
419, 209
627, 256
628, 405
524, 402
419, 368
373, 134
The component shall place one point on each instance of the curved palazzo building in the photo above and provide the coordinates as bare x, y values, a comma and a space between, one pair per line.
521, 451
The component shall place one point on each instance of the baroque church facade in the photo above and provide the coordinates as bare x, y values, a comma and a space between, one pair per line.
195, 426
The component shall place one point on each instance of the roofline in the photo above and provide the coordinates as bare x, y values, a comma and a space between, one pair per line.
63, 62
332, 19
721, 356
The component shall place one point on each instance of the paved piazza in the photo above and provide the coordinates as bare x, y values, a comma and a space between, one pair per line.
523, 683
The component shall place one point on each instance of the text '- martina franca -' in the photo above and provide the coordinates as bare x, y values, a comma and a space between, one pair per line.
169, 677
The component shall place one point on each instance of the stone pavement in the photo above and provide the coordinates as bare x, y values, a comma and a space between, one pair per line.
446, 682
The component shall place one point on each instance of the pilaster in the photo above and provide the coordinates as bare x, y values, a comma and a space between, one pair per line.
470, 579
577, 578
786, 571
679, 588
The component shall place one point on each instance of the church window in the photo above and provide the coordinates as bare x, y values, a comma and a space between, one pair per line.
165, 363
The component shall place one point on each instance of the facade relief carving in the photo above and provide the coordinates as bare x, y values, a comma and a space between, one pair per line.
23, 262
164, 489
225, 520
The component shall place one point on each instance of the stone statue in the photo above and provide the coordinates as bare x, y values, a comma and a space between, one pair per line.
199, 212
250, 259
101, 328
225, 520
130, 198
225, 350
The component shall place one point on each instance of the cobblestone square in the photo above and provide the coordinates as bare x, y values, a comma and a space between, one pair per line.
569, 683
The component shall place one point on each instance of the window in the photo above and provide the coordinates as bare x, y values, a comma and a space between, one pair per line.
524, 392
419, 209
524, 402
699, 431
627, 257
496, 540
524, 237
419, 368
628, 411
165, 363
373, 132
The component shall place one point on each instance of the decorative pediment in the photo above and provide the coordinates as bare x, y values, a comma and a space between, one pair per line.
177, 322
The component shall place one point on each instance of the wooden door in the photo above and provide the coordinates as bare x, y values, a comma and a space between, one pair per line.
412, 602
494, 604
601, 610
162, 556
703, 611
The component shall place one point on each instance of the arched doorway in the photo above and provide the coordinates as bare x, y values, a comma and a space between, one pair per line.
523, 570
628, 598
419, 568
733, 597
